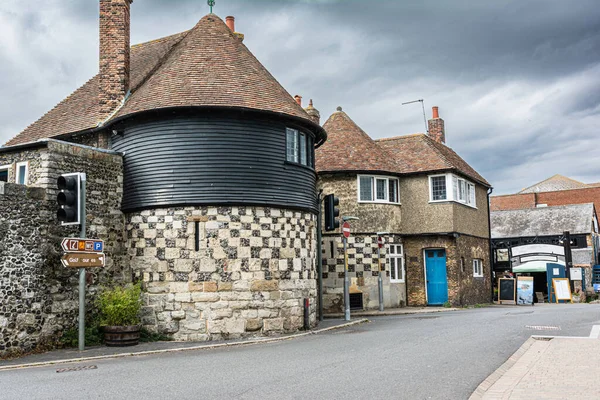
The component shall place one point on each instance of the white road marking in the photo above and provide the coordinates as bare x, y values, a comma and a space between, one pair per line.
595, 333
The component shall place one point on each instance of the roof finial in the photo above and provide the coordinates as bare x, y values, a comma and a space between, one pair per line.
211, 3
339, 108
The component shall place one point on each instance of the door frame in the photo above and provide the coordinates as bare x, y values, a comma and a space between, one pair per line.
425, 268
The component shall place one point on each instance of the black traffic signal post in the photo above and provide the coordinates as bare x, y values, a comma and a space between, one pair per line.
332, 213
71, 211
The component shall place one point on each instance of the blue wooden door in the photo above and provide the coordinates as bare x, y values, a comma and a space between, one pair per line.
554, 271
437, 280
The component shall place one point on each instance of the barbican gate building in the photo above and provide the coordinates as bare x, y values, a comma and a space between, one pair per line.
201, 181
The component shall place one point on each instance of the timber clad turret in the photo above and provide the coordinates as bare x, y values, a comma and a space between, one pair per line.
208, 158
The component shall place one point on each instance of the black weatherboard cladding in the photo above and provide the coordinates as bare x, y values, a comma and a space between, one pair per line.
210, 158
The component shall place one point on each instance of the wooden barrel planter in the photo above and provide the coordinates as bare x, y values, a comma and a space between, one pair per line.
120, 336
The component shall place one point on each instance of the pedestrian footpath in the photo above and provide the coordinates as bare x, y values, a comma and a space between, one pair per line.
64, 356
547, 368
394, 311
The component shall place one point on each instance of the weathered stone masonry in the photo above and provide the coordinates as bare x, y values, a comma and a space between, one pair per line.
223, 272
33, 282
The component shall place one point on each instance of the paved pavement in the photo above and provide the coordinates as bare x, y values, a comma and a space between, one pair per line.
547, 368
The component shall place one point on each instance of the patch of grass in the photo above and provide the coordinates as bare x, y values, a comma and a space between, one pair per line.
70, 337
147, 336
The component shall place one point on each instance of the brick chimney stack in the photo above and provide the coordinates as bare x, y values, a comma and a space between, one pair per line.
298, 99
436, 127
115, 23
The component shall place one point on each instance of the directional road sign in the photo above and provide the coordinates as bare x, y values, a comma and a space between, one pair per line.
83, 245
83, 260
380, 241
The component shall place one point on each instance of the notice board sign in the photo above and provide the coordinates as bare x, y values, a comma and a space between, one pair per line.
507, 291
525, 290
576, 274
562, 289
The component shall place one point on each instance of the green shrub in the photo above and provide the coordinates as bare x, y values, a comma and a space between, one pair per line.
147, 336
119, 305
70, 337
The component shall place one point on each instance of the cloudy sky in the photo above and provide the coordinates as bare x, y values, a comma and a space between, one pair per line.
517, 82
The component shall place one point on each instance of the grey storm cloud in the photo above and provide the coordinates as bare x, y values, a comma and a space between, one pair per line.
517, 82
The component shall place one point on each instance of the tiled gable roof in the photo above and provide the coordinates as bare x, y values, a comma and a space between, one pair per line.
542, 221
554, 183
205, 66
420, 153
349, 148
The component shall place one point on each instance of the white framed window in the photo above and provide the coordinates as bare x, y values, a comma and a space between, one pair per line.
477, 268
22, 173
437, 188
450, 187
298, 147
4, 171
378, 189
395, 256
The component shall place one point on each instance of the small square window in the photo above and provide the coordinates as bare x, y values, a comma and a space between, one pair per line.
438, 188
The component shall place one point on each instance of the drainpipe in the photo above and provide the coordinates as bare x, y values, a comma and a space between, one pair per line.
489, 192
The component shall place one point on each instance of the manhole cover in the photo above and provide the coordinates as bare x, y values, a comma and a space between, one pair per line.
543, 327
519, 313
73, 369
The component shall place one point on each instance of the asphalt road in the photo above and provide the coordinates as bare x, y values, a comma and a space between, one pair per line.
423, 356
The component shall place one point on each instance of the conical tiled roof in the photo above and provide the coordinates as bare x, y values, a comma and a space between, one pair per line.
212, 67
207, 66
349, 148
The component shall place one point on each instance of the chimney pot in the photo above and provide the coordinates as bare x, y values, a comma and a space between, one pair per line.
437, 131
230, 21
298, 99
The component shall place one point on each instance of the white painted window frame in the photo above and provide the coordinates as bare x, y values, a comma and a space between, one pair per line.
18, 172
453, 183
399, 256
6, 168
477, 268
374, 188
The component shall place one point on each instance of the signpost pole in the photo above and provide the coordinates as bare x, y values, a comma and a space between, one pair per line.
83, 218
380, 278
346, 283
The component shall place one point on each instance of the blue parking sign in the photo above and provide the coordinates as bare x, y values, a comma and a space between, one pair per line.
98, 246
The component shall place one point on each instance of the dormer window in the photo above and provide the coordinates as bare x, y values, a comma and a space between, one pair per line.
299, 147
450, 187
378, 189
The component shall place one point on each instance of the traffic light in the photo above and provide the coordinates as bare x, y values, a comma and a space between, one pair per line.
69, 198
331, 213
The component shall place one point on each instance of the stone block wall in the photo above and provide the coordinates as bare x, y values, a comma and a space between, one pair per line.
223, 272
363, 270
463, 287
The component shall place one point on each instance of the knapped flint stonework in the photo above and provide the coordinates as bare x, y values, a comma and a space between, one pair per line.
38, 296
363, 271
223, 272
463, 287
